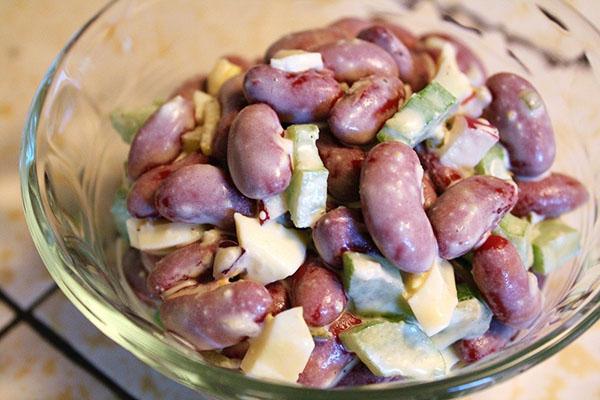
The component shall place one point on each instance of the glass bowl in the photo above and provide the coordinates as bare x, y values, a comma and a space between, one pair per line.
133, 52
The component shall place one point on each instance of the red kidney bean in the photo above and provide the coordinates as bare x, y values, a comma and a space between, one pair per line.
429, 194
158, 140
467, 61
495, 339
136, 274
405, 36
258, 162
350, 26
441, 175
326, 363
232, 100
281, 298
550, 197
140, 201
424, 70
218, 318
361, 375
319, 292
353, 59
189, 86
359, 114
390, 193
338, 231
307, 40
201, 194
344, 165
188, 262
469, 210
520, 115
237, 351
344, 322
385, 38
296, 97
511, 292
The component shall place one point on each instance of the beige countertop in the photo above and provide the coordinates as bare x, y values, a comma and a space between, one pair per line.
47, 348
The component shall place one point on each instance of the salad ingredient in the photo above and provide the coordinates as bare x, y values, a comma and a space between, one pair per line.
273, 207
519, 232
140, 200
419, 116
375, 287
136, 274
217, 318
158, 141
391, 198
360, 375
188, 87
223, 70
338, 231
188, 262
296, 60
555, 243
495, 339
353, 59
297, 98
465, 213
275, 252
471, 318
287, 334
429, 194
232, 100
494, 163
350, 26
550, 197
201, 194
519, 113
434, 299
327, 364
448, 74
207, 114
307, 193
153, 235
229, 260
442, 176
356, 118
319, 292
128, 122
279, 292
467, 142
377, 343
511, 292
257, 155
344, 165
308, 40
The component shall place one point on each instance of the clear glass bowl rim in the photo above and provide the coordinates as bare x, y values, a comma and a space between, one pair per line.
460, 384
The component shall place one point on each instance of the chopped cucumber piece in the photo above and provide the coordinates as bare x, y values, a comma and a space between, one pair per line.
120, 213
554, 244
272, 207
519, 232
296, 60
395, 348
375, 287
307, 193
128, 122
207, 113
471, 318
221, 72
419, 116
449, 74
494, 163
151, 235
465, 292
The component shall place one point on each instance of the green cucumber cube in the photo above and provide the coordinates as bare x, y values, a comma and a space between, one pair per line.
374, 287
494, 163
128, 122
554, 244
519, 232
471, 319
395, 348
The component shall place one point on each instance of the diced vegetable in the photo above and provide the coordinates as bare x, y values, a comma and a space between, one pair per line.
274, 252
467, 142
451, 358
471, 318
375, 287
128, 122
151, 235
434, 298
281, 351
296, 60
221, 72
419, 116
448, 74
554, 244
519, 232
207, 114
307, 192
395, 348
494, 163
273, 207
474, 105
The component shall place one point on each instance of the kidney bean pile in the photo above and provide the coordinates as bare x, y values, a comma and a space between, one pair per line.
385, 199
